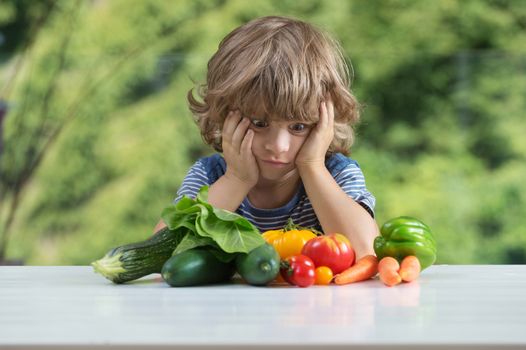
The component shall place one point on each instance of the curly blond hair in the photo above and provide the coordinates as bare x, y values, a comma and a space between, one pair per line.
276, 67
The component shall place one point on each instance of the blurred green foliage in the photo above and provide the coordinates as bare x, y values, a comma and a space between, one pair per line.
98, 136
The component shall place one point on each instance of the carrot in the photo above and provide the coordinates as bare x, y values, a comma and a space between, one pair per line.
409, 268
388, 268
362, 270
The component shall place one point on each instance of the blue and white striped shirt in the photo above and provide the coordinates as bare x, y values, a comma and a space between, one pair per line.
345, 171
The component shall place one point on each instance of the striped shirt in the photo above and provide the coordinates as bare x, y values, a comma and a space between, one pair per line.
345, 172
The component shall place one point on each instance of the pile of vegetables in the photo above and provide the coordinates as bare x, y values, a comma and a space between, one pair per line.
204, 245
405, 247
200, 245
308, 257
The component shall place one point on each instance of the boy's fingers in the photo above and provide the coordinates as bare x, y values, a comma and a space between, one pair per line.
330, 111
246, 145
230, 124
323, 115
239, 133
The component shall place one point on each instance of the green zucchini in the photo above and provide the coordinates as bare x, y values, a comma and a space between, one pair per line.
197, 266
260, 266
131, 261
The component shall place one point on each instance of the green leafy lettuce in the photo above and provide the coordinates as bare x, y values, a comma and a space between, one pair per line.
226, 233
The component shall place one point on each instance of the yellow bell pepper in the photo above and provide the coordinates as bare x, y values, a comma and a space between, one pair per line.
290, 240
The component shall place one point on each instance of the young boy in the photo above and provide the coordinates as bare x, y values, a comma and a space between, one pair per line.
277, 105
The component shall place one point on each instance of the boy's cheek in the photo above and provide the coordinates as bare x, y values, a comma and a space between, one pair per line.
257, 142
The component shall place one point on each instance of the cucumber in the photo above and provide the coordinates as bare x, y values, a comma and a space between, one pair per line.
260, 266
197, 266
131, 261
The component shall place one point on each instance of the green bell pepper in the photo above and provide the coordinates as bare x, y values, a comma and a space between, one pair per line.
403, 236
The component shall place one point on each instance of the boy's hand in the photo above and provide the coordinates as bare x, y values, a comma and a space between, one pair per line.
237, 149
312, 152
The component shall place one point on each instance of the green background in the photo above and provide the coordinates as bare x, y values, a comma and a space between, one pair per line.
98, 135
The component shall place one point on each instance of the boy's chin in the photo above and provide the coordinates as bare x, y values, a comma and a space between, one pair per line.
275, 174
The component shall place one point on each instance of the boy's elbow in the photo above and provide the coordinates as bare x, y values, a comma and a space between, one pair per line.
160, 225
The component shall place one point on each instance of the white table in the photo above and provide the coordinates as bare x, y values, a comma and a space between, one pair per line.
448, 307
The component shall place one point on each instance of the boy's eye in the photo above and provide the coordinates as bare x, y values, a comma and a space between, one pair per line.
299, 127
259, 123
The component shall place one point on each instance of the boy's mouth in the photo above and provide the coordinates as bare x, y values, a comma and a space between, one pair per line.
275, 163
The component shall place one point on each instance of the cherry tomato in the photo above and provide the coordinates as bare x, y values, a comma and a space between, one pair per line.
298, 270
333, 251
323, 275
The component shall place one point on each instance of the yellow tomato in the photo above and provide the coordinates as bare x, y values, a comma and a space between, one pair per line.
323, 275
290, 240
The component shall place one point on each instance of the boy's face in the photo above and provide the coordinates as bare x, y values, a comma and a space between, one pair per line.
276, 144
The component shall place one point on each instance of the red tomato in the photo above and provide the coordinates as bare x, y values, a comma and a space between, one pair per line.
333, 251
298, 270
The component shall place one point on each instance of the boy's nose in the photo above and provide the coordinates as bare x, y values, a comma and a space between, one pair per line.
278, 141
